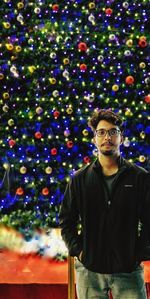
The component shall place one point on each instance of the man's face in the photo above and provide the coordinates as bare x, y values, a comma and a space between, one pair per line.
108, 138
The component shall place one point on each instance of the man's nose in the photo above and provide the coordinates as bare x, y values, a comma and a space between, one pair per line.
107, 136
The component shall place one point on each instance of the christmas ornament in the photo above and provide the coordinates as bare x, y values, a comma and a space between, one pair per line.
45, 191
38, 135
129, 80
82, 47
54, 151
20, 191
12, 142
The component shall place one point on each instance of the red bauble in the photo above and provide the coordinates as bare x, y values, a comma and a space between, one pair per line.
56, 114
142, 42
147, 99
129, 80
20, 191
38, 135
54, 151
45, 191
86, 159
70, 144
108, 11
82, 47
55, 7
12, 142
83, 67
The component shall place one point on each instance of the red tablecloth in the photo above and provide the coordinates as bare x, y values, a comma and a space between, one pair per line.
29, 274
16, 269
34, 269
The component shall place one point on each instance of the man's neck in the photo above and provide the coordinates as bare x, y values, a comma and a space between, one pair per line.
109, 164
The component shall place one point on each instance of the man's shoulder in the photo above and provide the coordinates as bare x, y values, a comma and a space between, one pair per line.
136, 168
83, 170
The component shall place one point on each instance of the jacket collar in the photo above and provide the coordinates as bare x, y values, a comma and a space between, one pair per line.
122, 163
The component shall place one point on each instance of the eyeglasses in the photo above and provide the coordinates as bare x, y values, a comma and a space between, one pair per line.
111, 132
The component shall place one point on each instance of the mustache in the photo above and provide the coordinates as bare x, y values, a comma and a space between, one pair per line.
107, 143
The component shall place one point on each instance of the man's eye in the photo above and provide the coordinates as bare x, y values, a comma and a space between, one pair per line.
102, 132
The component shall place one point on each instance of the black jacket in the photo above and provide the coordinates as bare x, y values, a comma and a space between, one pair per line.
115, 237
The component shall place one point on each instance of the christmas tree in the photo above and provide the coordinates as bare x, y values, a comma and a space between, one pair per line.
60, 61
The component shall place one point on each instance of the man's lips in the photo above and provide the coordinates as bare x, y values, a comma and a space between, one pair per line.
107, 144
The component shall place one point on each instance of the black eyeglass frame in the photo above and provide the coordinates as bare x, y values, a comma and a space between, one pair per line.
110, 132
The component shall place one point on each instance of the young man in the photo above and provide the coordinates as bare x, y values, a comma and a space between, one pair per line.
110, 198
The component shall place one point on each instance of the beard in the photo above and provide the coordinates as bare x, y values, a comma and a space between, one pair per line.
107, 153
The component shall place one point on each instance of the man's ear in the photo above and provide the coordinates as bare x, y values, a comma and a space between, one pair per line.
122, 138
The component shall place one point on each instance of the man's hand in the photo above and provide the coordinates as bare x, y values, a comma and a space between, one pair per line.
80, 255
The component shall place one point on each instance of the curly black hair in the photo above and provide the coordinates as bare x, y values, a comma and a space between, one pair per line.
107, 115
